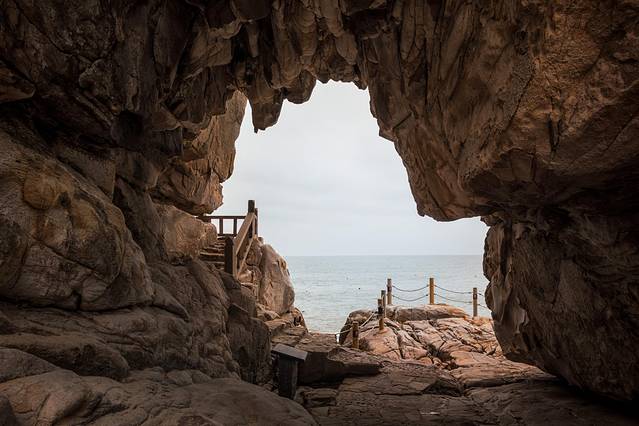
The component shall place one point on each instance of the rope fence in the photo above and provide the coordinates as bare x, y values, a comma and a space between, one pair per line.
449, 294
454, 300
410, 300
387, 299
410, 291
348, 330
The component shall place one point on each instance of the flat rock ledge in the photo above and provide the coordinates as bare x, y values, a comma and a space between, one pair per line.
433, 365
34, 392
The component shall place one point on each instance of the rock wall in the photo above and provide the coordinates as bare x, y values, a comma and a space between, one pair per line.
523, 112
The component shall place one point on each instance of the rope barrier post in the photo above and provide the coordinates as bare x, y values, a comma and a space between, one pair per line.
389, 291
474, 302
380, 314
431, 291
355, 344
383, 294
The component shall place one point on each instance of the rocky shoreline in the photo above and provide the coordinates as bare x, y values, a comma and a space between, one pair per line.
432, 364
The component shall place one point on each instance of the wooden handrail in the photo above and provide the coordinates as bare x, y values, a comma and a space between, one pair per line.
225, 217
220, 223
243, 232
238, 244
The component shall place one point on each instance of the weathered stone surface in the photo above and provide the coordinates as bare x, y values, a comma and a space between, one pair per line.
183, 235
15, 364
465, 346
402, 314
585, 284
148, 397
327, 362
413, 397
7, 417
473, 387
64, 243
266, 272
276, 290
193, 180
522, 112
543, 403
84, 355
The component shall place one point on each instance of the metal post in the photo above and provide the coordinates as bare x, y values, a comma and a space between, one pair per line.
389, 291
229, 256
431, 290
474, 302
383, 294
251, 206
355, 344
380, 314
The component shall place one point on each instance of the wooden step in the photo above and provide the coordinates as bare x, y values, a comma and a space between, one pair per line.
212, 257
211, 250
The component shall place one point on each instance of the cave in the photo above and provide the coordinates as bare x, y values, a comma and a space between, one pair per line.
117, 127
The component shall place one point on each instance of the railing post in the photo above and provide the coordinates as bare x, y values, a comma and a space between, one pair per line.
389, 291
221, 230
255, 223
384, 301
431, 290
234, 226
230, 262
380, 314
474, 302
355, 344
251, 206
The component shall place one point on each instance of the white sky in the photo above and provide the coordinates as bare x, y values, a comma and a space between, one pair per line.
325, 183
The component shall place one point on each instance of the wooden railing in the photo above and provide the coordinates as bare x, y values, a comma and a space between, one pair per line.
238, 243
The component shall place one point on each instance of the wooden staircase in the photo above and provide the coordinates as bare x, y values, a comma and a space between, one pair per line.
215, 253
230, 250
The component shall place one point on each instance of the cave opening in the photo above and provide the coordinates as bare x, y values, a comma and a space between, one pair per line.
335, 201
120, 303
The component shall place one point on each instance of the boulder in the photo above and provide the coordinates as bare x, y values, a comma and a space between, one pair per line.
276, 290
174, 397
402, 314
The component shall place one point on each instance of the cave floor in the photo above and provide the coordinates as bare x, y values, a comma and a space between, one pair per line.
409, 394
344, 386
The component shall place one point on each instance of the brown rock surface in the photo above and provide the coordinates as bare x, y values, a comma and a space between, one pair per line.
267, 273
146, 397
450, 339
471, 382
524, 112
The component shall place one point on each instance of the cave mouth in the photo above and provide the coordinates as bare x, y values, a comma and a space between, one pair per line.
335, 201
118, 124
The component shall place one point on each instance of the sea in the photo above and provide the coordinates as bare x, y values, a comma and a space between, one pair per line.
328, 288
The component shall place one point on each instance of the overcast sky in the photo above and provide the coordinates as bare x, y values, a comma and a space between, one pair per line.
325, 183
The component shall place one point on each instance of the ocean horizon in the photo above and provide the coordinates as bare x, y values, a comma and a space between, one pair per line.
328, 288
